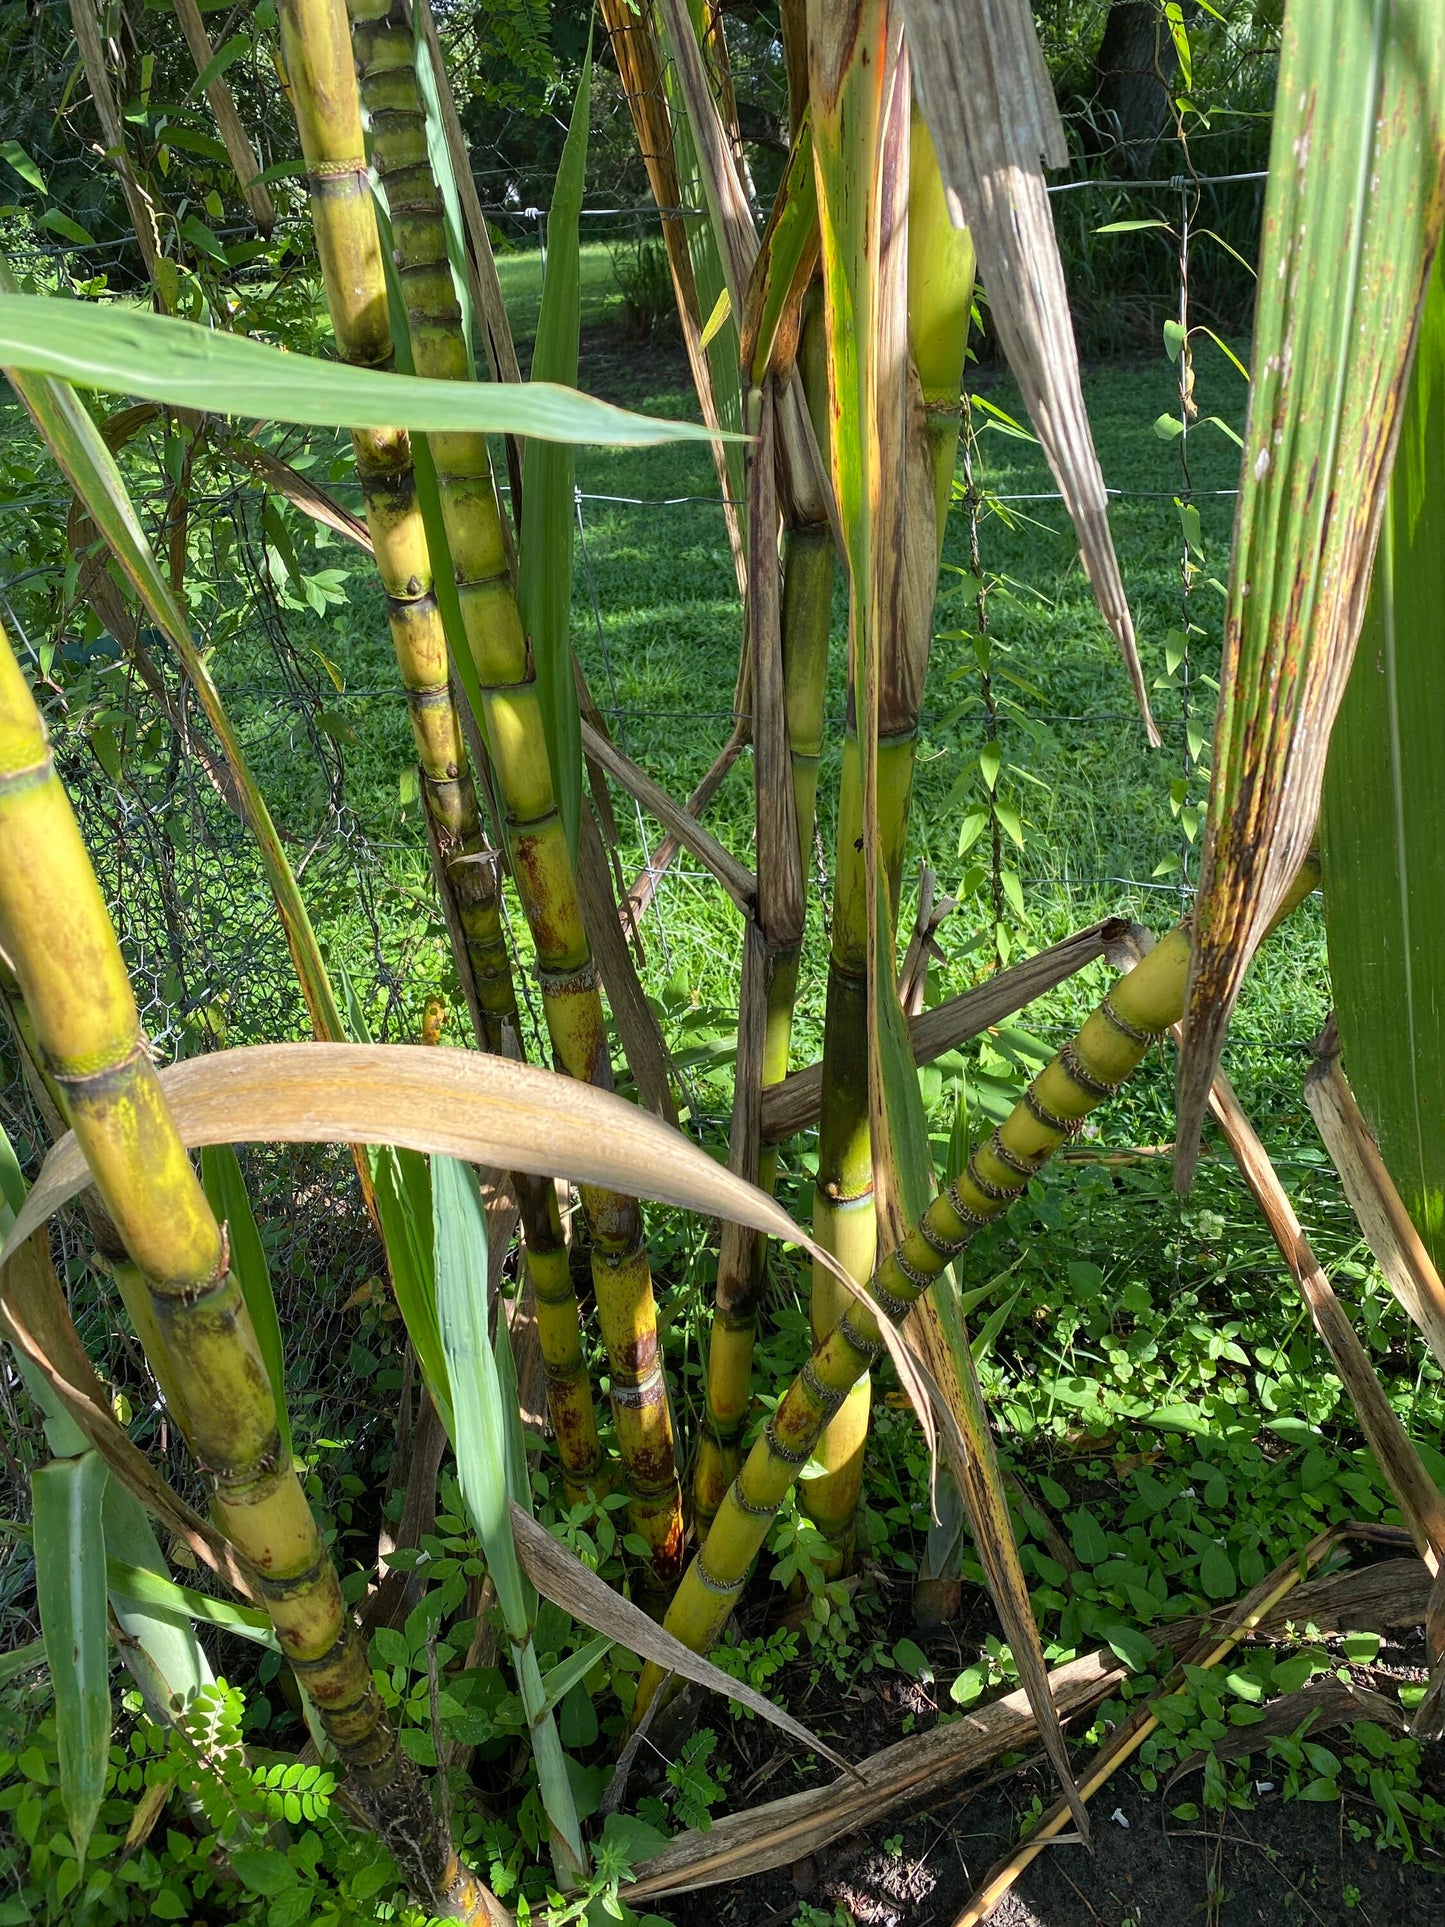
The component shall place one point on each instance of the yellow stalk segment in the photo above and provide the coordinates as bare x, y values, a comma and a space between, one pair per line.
58, 937
317, 39
323, 94
512, 718
1140, 1009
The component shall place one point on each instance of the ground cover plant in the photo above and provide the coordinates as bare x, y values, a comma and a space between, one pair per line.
487, 1567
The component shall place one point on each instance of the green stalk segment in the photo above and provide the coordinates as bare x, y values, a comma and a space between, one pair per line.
516, 736
809, 558
844, 1222
940, 268
55, 930
317, 40
1145, 1003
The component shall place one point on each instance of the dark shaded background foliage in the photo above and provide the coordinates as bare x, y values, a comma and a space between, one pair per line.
1131, 115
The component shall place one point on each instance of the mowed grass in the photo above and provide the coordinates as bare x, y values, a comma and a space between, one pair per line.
520, 273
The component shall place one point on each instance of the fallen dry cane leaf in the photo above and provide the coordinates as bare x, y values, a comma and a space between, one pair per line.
927, 1766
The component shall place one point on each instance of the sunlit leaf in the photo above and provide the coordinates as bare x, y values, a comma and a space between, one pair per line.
65, 1497
544, 557
1352, 217
127, 352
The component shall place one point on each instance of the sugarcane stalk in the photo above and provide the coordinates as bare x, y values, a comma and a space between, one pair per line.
844, 1222
940, 268
57, 935
512, 715
323, 94
807, 593
1142, 1006
323, 91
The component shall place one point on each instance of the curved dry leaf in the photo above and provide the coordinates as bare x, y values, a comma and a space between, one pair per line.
990, 108
902, 1777
559, 1575
1330, 1702
480, 1108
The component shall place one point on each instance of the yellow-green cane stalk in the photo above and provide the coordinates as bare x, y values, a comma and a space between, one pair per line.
321, 67
55, 930
109, 1248
1142, 1006
323, 93
940, 267
809, 559
512, 717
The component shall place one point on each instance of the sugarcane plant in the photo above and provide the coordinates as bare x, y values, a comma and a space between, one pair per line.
834, 333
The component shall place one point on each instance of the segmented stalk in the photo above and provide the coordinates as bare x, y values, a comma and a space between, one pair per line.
1145, 1003
317, 40
1139, 1009
55, 930
323, 93
808, 565
844, 1221
940, 267
541, 861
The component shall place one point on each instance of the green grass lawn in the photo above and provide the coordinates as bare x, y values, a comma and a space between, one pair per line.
520, 273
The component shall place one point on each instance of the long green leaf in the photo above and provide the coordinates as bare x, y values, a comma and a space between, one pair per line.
479, 1434
480, 1440
404, 1206
126, 352
140, 1586
564, 1676
24, 1659
1352, 218
544, 556
65, 1497
1384, 814
226, 1189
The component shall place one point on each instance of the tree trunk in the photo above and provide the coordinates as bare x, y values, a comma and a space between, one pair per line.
1133, 72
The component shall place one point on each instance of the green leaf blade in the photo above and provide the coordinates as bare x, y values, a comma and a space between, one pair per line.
544, 561
1384, 815
159, 358
66, 1497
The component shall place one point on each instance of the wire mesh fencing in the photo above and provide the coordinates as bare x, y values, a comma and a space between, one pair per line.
318, 711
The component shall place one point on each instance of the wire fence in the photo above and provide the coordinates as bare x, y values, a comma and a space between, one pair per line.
182, 878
